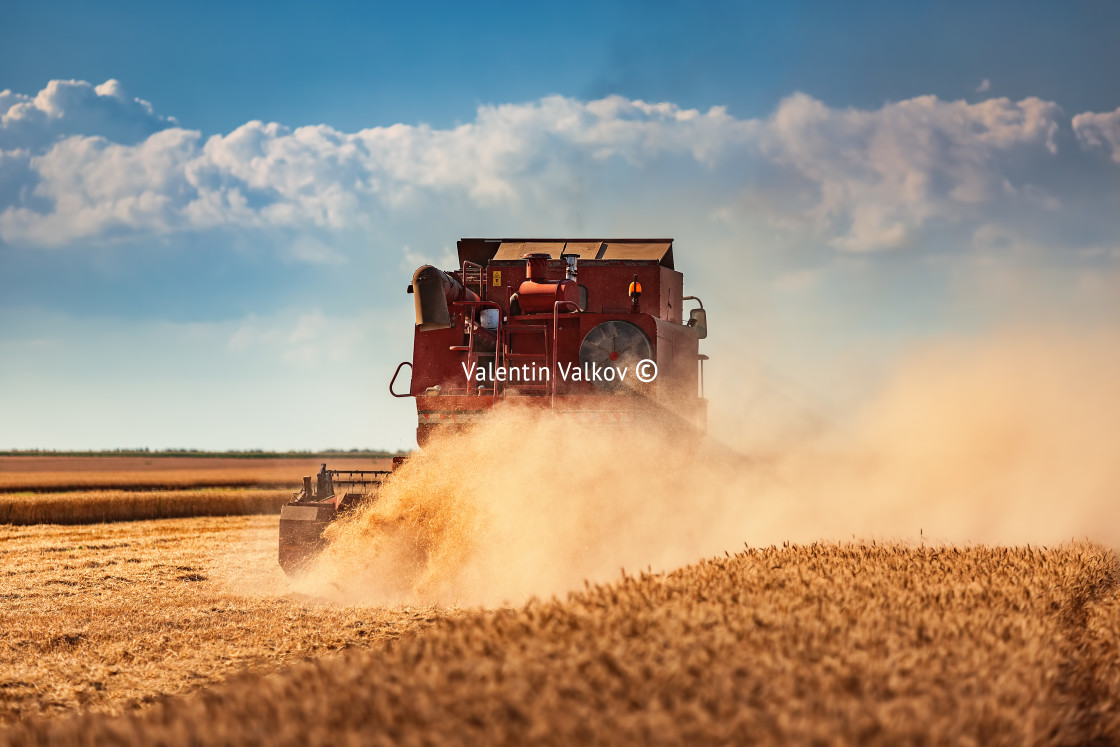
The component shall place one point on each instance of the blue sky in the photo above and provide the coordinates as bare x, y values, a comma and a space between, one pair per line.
208, 212
216, 65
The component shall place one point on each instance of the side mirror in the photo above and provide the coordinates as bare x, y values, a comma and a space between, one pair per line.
698, 320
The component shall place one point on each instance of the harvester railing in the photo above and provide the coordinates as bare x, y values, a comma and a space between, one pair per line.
394, 380
472, 273
556, 346
473, 307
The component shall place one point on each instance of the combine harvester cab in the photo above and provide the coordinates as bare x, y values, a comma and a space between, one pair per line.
589, 330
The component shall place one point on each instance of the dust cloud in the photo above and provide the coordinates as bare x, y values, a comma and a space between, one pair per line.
1009, 439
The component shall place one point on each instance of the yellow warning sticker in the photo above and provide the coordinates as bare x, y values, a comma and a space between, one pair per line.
497, 279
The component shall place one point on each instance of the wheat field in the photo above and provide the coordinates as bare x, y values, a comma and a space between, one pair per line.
96, 506
823, 643
185, 631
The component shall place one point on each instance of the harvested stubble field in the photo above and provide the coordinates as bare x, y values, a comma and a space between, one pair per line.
110, 617
85, 490
828, 643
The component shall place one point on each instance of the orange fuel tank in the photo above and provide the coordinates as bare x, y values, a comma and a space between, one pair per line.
538, 294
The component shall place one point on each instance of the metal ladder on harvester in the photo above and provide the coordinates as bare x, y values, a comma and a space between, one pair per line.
527, 333
472, 274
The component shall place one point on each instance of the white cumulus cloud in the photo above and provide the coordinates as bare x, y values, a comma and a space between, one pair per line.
1099, 130
75, 107
854, 179
880, 175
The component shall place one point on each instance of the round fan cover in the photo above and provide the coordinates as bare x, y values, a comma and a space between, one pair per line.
617, 345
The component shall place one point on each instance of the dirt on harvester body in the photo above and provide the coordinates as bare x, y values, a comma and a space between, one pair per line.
589, 331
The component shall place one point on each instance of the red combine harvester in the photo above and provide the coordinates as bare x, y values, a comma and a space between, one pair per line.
591, 330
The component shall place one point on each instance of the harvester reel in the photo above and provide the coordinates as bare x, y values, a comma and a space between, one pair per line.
615, 344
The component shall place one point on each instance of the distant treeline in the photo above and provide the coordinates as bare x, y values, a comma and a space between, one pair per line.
250, 454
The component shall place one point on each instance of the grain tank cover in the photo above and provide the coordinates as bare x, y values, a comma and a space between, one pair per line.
660, 250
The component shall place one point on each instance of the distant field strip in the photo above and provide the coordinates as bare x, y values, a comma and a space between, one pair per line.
17, 482
58, 474
95, 506
87, 490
